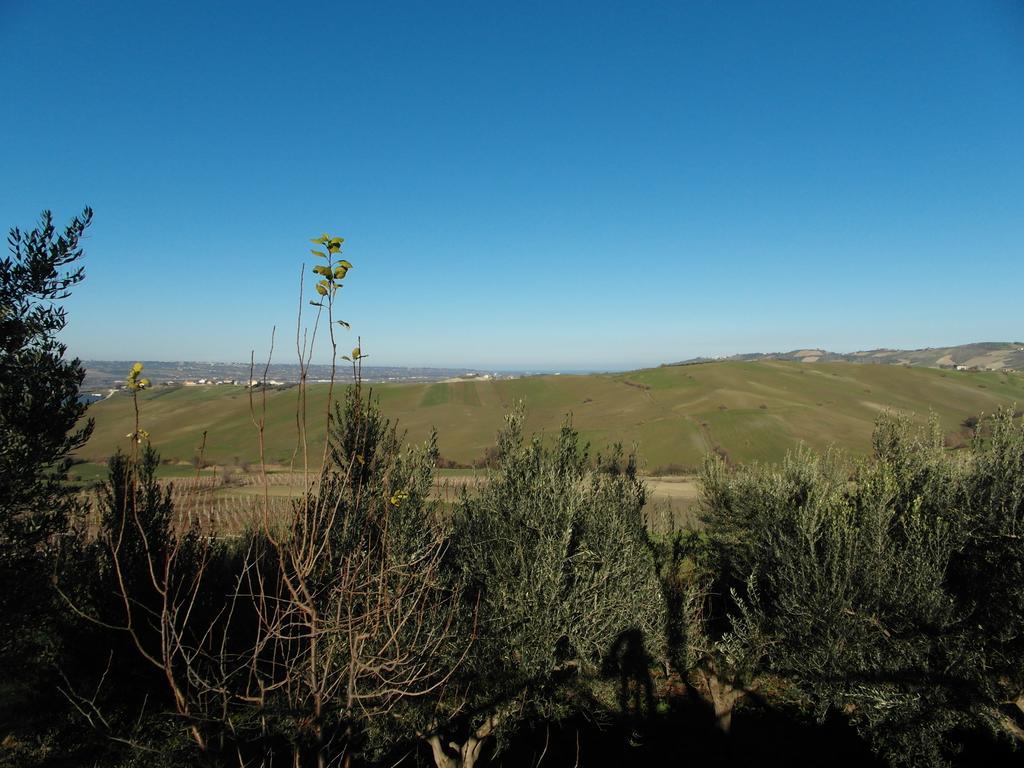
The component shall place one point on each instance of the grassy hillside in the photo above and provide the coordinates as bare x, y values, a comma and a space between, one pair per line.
753, 411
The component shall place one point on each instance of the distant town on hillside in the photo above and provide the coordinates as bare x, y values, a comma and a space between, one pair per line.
103, 375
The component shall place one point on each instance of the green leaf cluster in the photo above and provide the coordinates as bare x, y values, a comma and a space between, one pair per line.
133, 381
333, 273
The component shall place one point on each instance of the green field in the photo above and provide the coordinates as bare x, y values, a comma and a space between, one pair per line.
673, 415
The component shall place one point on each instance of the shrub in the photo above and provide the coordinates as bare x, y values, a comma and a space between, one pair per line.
363, 618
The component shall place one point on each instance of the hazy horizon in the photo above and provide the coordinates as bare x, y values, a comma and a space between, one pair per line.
582, 369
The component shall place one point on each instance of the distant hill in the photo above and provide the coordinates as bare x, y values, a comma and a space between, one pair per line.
983, 356
674, 415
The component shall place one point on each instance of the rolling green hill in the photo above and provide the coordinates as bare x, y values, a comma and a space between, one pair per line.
675, 415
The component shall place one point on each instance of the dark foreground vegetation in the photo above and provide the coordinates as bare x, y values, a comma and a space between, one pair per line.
822, 615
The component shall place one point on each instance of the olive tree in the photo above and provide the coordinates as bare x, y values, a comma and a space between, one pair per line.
889, 593
987, 575
560, 584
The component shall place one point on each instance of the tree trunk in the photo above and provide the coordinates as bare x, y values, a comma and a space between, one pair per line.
467, 753
465, 756
723, 698
1010, 723
441, 758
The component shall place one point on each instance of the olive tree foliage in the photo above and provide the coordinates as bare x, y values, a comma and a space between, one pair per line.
561, 584
710, 641
987, 576
144, 584
886, 594
136, 516
40, 416
146, 587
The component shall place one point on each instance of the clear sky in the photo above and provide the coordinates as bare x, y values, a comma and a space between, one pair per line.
539, 185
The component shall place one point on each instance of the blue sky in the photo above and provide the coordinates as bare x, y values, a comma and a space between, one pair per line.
527, 185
